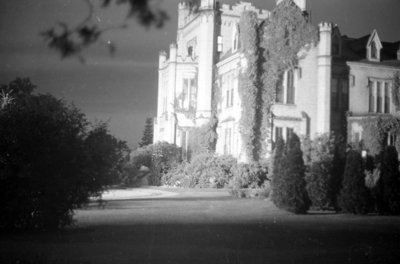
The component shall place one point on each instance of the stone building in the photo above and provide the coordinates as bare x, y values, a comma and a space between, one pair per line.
313, 100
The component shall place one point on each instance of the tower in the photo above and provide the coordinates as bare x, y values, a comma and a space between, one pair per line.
207, 55
324, 78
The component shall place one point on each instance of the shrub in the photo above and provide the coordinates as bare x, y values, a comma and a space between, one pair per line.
51, 161
324, 173
354, 196
276, 175
204, 171
159, 158
249, 180
389, 183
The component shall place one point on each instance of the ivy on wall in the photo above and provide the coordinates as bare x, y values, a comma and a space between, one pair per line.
270, 48
250, 85
375, 131
284, 35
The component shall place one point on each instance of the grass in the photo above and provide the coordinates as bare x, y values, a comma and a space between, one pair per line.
208, 227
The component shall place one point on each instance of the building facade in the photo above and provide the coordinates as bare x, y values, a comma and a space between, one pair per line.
314, 98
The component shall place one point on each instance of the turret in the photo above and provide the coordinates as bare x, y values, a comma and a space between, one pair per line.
324, 77
183, 13
172, 52
162, 58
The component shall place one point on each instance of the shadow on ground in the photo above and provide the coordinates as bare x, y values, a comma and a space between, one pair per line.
187, 229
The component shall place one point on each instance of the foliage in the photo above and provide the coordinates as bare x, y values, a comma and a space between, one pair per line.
160, 158
325, 168
50, 162
296, 198
204, 171
389, 183
147, 138
396, 90
284, 35
251, 175
375, 130
250, 86
204, 139
354, 196
277, 181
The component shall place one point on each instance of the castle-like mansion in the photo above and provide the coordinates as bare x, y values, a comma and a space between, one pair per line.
336, 83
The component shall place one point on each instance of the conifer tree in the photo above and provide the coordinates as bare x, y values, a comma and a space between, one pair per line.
277, 180
297, 200
147, 138
389, 182
354, 196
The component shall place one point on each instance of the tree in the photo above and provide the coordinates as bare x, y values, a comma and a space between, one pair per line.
147, 138
50, 162
277, 195
294, 185
354, 196
389, 183
71, 41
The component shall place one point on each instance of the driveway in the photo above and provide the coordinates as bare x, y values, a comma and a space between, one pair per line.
208, 226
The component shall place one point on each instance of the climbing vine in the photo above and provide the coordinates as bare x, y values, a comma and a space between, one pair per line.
286, 32
375, 130
396, 90
249, 85
270, 48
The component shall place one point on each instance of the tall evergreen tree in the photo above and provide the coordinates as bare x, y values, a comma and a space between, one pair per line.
297, 200
147, 138
389, 182
277, 180
354, 196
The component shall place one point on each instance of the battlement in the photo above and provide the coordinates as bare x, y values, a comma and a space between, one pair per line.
325, 26
238, 8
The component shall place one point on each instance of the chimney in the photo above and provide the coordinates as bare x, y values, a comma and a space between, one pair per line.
398, 53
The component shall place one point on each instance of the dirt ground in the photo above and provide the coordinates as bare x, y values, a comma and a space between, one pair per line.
207, 226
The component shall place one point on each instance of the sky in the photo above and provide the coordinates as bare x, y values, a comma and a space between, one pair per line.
122, 89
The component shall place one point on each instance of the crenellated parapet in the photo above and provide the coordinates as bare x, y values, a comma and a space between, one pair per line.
239, 8
325, 26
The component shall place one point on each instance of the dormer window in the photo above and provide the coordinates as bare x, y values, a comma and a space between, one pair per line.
374, 47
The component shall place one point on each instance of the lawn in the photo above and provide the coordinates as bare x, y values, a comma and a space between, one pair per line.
207, 226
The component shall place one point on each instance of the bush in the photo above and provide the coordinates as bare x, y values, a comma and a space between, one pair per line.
204, 171
249, 180
354, 196
160, 158
289, 191
276, 174
324, 172
51, 162
389, 183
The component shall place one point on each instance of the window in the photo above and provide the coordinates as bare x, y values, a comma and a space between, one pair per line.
189, 93
356, 137
279, 90
289, 133
227, 98
236, 42
387, 98
228, 140
344, 104
278, 133
379, 97
373, 50
228, 86
352, 80
391, 138
290, 87
220, 44
232, 97
371, 96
